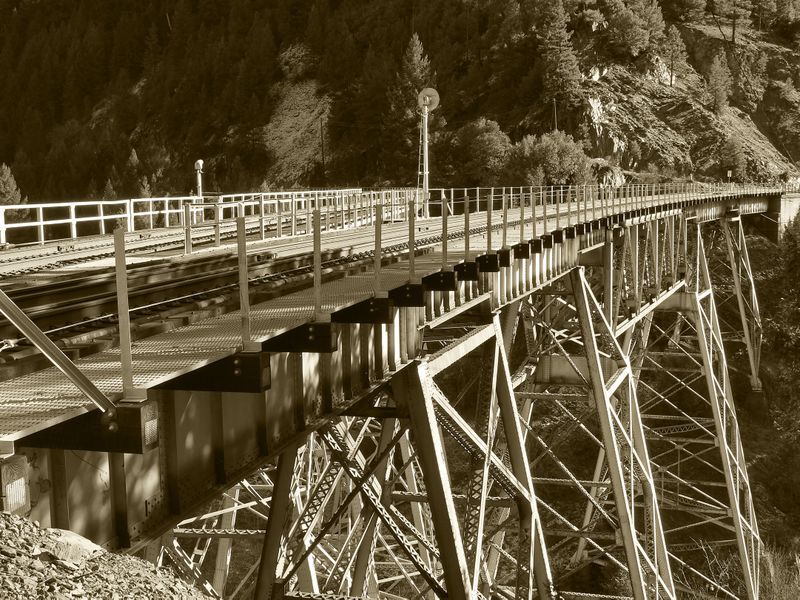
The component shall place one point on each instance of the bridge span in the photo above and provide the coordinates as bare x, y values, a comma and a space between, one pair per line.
507, 393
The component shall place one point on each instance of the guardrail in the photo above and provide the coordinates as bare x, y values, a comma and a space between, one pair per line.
292, 214
37, 223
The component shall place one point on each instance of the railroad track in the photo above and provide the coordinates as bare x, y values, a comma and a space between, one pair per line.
26, 260
81, 313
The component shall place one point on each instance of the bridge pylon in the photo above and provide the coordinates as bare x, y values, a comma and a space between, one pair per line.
693, 434
581, 400
735, 291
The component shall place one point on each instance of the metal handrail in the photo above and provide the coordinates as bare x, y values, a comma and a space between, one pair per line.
139, 214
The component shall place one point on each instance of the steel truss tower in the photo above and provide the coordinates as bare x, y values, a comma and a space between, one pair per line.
568, 438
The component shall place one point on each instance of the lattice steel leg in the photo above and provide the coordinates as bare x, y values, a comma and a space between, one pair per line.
746, 297
626, 451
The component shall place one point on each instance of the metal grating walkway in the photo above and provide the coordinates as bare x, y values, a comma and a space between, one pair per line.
40, 400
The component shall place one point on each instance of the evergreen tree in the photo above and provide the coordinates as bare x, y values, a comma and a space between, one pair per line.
684, 11
734, 159
401, 126
735, 13
9, 192
562, 77
675, 53
649, 12
108, 191
719, 82
627, 34
765, 13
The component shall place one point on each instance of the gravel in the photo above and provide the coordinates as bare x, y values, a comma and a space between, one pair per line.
55, 564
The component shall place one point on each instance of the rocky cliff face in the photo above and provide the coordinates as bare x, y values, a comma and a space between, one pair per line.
645, 124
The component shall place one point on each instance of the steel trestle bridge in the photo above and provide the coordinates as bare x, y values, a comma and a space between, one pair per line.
524, 395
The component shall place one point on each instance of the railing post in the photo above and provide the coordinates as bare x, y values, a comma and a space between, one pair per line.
309, 213
279, 213
521, 217
444, 229
73, 226
505, 219
412, 239
216, 224
378, 256
131, 225
3, 236
187, 228
261, 220
293, 209
489, 206
123, 311
466, 225
317, 263
244, 286
545, 201
40, 224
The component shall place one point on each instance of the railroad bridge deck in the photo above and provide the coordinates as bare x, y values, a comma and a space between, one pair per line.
201, 406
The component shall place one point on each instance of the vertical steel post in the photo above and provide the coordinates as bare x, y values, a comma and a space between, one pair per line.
278, 510
425, 189
489, 206
244, 286
412, 244
317, 263
187, 228
444, 227
377, 258
466, 225
216, 223
121, 271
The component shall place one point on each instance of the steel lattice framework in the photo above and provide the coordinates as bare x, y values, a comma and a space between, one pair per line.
562, 427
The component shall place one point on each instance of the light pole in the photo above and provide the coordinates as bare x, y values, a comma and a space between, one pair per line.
428, 100
198, 167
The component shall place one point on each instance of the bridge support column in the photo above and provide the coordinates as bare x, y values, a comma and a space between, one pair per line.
694, 436
577, 358
745, 290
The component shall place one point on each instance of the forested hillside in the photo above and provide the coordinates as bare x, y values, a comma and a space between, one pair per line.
104, 98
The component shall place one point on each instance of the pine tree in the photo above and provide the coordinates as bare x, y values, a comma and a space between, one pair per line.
734, 159
401, 125
764, 13
626, 33
9, 192
685, 11
734, 12
562, 77
649, 12
719, 82
675, 53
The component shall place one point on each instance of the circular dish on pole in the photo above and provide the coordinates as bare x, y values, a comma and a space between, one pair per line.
429, 98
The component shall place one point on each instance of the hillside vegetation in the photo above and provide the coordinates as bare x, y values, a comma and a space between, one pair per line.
104, 98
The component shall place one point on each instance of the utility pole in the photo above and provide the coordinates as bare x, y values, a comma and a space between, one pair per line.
425, 156
322, 144
427, 100
555, 115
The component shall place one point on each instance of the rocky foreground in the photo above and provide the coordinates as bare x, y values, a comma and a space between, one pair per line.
55, 564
